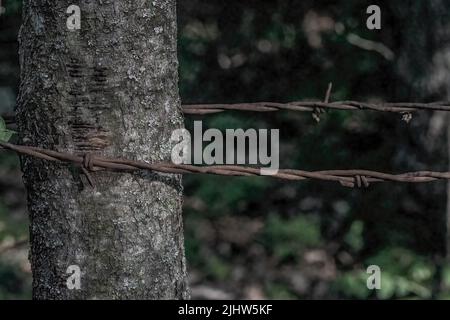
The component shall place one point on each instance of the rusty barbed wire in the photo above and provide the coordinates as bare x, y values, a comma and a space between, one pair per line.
348, 178
305, 106
317, 108
406, 109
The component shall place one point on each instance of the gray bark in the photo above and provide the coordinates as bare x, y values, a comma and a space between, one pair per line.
425, 66
108, 89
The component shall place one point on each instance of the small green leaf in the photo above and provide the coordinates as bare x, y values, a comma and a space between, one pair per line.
5, 134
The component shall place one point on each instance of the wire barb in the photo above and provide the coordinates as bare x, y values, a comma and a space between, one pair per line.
318, 111
87, 166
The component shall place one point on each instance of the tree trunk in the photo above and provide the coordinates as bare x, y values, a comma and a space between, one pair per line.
424, 64
108, 89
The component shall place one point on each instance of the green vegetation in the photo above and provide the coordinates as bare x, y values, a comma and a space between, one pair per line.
5, 134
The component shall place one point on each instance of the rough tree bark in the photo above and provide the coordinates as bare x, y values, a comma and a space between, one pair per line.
109, 89
424, 64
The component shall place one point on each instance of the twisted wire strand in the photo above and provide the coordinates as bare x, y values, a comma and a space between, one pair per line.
348, 178
305, 106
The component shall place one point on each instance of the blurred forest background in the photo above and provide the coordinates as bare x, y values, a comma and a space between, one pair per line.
254, 238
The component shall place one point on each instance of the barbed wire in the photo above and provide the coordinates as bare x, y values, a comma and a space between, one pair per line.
405, 108
348, 178
305, 106
318, 107
315, 107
